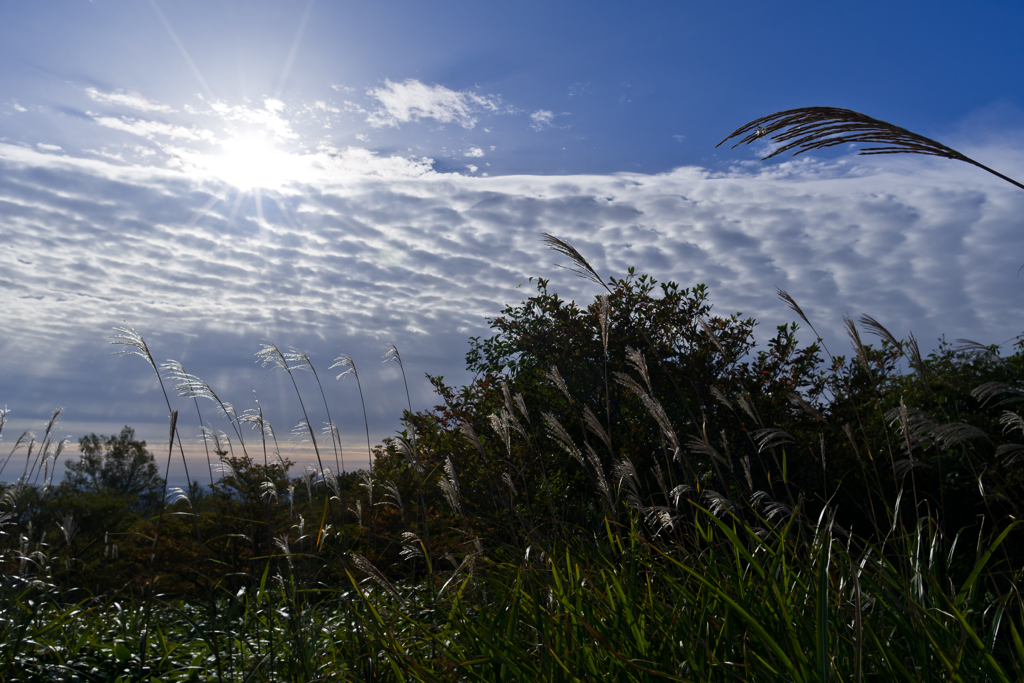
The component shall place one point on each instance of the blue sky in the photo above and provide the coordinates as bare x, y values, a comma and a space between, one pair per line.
328, 173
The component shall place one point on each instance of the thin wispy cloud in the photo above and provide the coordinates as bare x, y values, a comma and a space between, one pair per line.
131, 100
412, 100
542, 118
152, 129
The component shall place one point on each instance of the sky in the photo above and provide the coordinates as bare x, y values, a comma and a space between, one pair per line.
335, 177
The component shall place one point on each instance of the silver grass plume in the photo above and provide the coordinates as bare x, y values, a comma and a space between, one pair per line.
1010, 453
358, 511
68, 528
301, 361
332, 483
580, 265
703, 446
771, 438
300, 432
791, 302
747, 408
450, 486
557, 432
594, 425
718, 504
858, 345
556, 378
226, 469
367, 483
879, 329
135, 345
521, 405
507, 478
607, 499
412, 546
365, 566
676, 494
990, 390
639, 363
809, 128
392, 496
605, 319
720, 397
176, 493
653, 407
800, 401
270, 354
920, 430
470, 434
706, 328
848, 430
281, 541
625, 472
978, 350
915, 357
507, 395
346, 361
773, 509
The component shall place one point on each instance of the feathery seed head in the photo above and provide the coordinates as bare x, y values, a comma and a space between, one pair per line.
392, 354
345, 361
269, 354
135, 345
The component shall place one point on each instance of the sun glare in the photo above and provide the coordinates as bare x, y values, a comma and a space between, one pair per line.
252, 161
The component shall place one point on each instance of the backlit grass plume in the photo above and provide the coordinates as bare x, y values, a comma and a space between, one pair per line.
809, 128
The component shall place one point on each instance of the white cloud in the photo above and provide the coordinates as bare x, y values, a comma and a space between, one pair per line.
473, 152
542, 118
19, 108
49, 148
472, 168
153, 129
269, 118
412, 100
131, 100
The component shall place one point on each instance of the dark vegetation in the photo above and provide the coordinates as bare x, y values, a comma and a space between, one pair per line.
628, 490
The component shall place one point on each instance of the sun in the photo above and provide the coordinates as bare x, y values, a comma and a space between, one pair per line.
251, 162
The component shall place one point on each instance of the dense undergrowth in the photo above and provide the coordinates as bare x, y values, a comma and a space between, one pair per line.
630, 490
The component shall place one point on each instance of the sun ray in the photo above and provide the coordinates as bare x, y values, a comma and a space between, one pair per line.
235, 207
287, 70
181, 48
259, 207
284, 212
201, 213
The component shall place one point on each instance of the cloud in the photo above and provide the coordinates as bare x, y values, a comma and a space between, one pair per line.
542, 118
473, 152
49, 148
127, 99
270, 117
153, 129
412, 100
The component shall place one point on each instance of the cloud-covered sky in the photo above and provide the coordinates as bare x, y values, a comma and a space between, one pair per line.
329, 175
